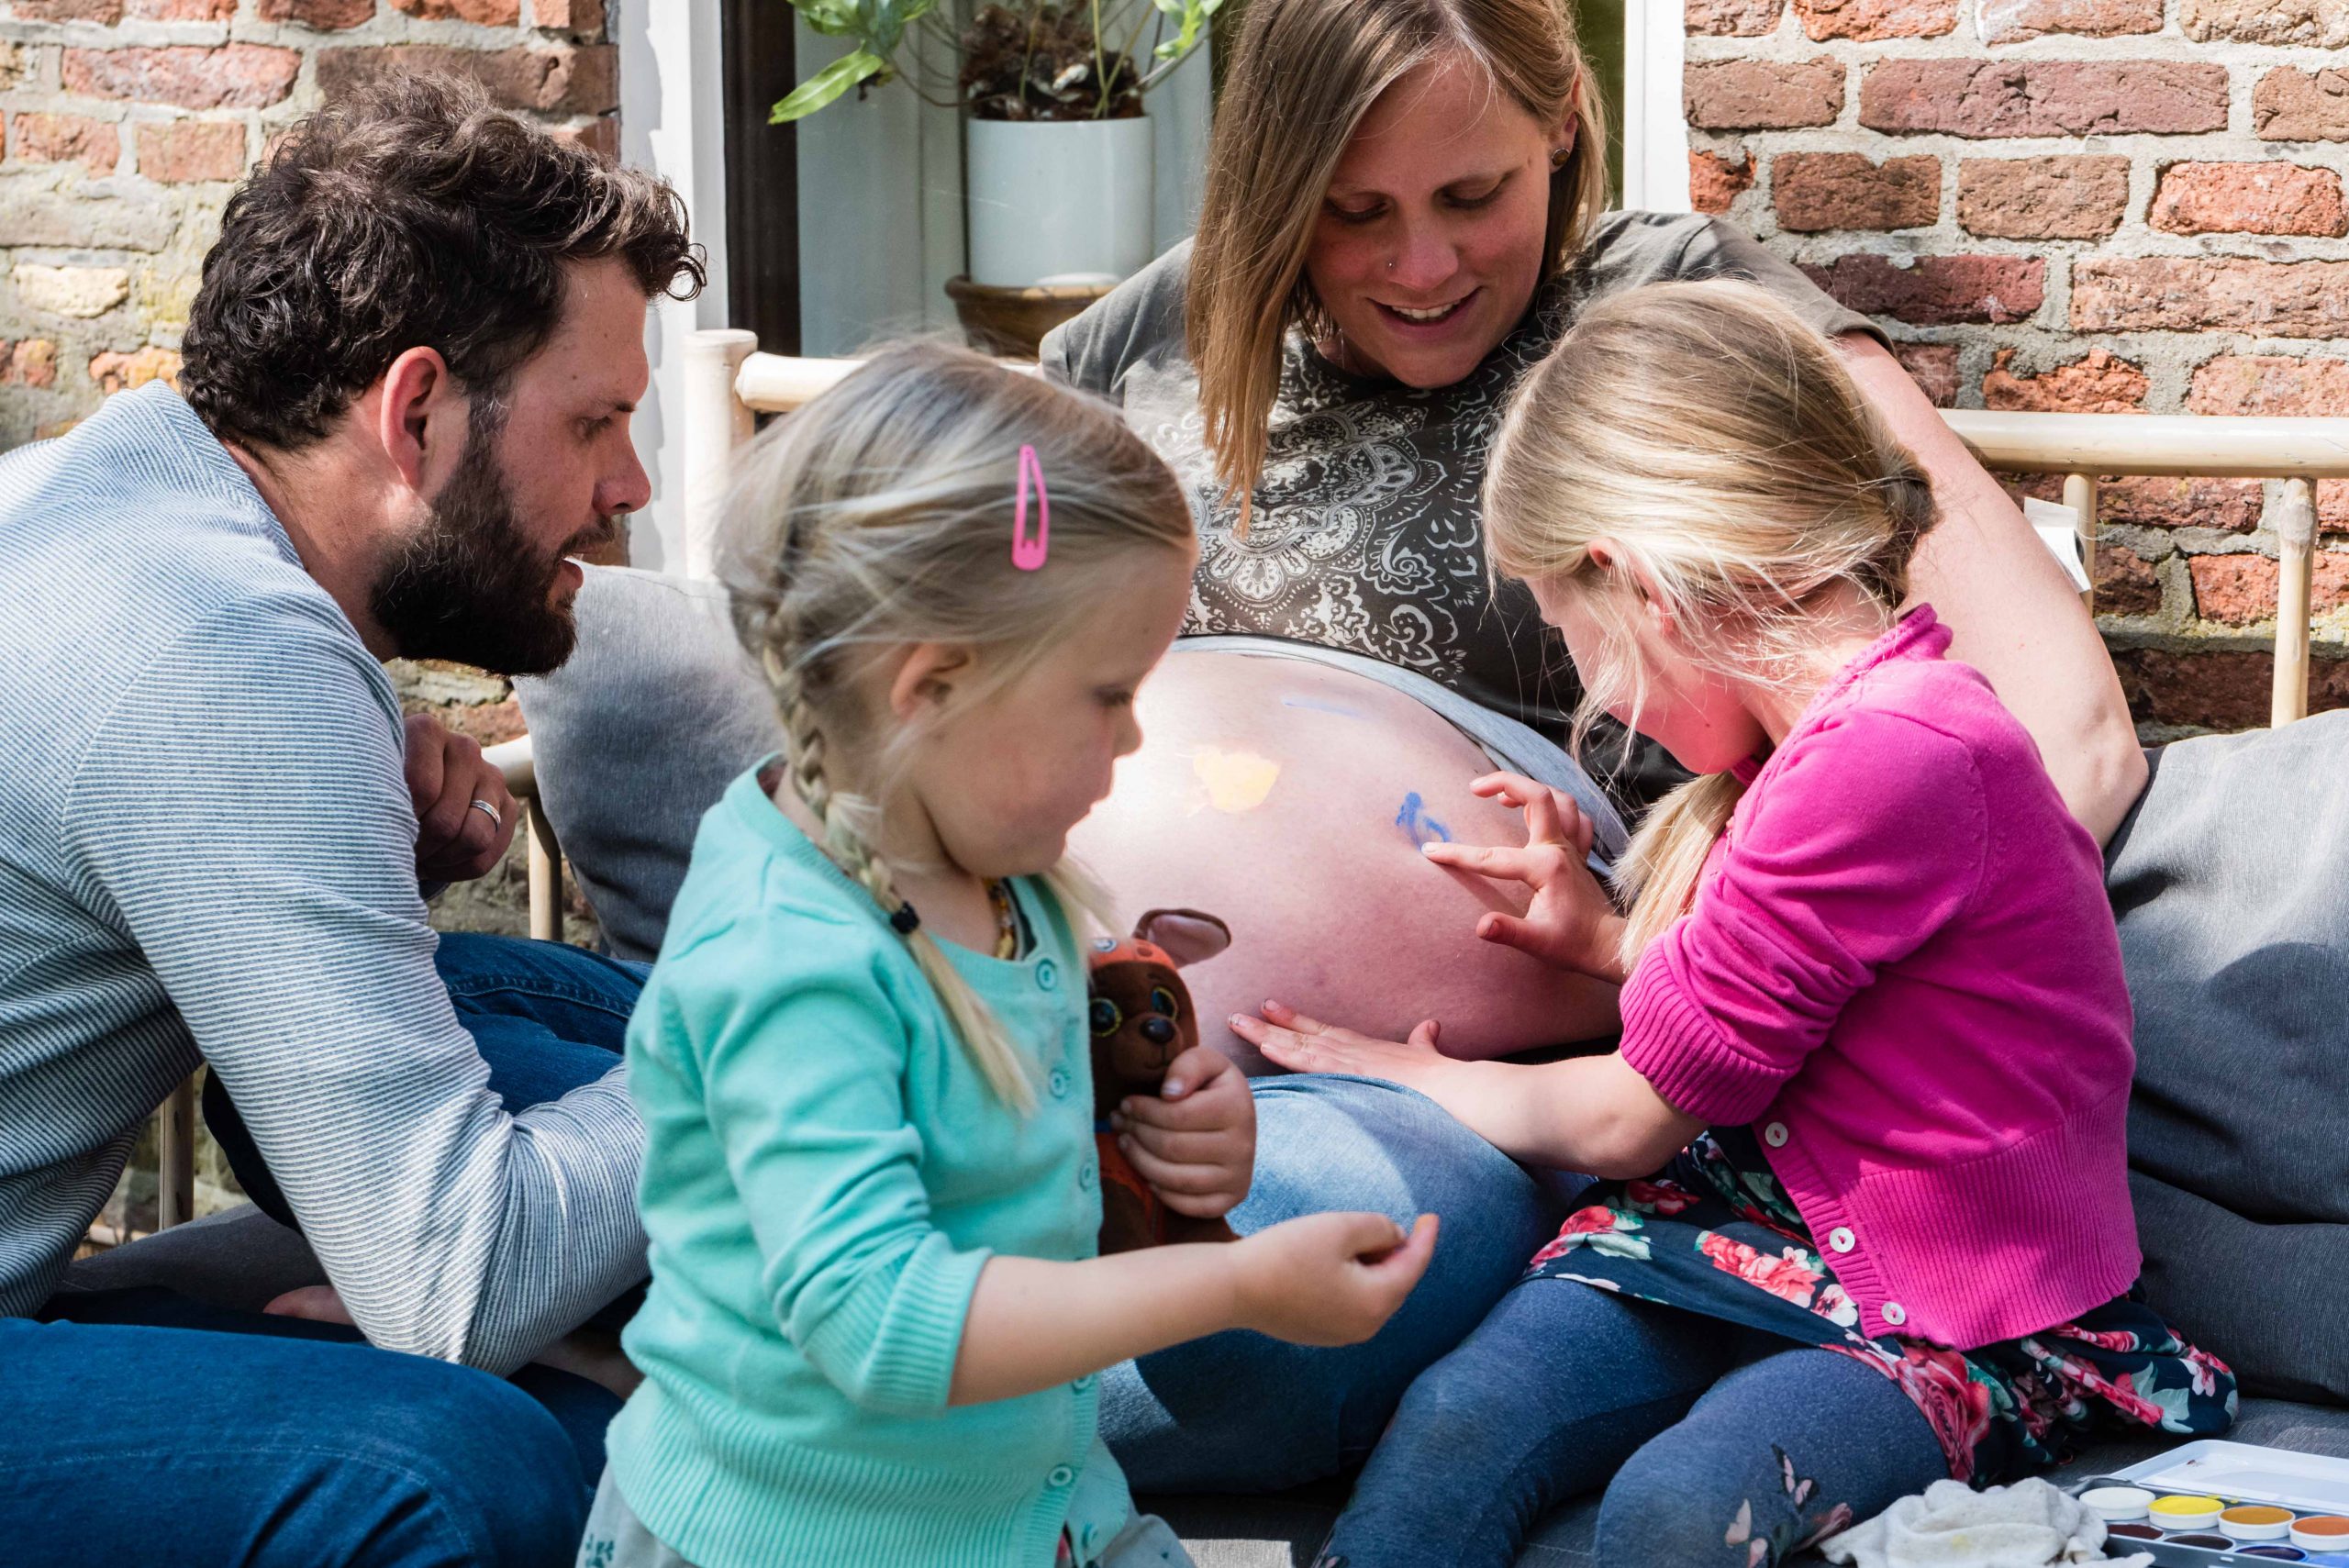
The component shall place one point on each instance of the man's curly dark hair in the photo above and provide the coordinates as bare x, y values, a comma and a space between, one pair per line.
413, 214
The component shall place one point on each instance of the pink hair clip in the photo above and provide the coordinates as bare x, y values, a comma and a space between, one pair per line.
1028, 554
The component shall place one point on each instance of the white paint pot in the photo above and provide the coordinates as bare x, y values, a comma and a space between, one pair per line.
1059, 201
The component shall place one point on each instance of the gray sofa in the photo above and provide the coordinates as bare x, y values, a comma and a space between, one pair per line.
2229, 880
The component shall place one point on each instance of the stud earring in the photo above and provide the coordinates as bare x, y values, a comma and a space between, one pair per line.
1558, 156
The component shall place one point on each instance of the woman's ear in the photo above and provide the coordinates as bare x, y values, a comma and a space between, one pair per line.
925, 679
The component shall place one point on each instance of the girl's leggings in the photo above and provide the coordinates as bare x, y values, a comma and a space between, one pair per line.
1717, 1446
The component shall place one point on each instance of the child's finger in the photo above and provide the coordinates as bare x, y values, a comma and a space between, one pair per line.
1173, 1176
1543, 825
1486, 860
1193, 1070
1220, 1145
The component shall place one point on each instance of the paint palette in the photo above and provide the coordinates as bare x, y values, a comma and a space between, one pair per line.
2222, 1504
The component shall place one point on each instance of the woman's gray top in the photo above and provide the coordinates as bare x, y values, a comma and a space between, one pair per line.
1366, 534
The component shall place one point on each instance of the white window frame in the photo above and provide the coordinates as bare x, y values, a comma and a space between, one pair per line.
1655, 126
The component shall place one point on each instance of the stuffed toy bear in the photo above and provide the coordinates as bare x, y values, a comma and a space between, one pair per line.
1142, 1021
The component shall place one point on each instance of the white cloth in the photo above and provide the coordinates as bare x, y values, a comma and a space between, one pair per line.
2029, 1525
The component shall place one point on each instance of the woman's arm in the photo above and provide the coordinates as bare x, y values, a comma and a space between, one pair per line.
1594, 1113
2010, 609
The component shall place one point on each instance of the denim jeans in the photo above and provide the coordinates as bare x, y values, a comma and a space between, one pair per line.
1708, 1437
150, 1430
1239, 1412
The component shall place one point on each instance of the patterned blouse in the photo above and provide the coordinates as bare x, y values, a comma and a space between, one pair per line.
1366, 532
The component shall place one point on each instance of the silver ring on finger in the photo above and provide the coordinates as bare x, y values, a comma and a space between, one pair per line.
487, 809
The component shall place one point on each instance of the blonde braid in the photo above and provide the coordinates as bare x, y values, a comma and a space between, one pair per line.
997, 1057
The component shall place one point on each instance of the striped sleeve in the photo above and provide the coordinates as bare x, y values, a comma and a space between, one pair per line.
243, 809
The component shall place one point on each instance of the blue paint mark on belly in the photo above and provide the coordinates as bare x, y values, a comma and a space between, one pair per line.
1415, 821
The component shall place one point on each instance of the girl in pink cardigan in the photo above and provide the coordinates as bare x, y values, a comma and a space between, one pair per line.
1863, 1219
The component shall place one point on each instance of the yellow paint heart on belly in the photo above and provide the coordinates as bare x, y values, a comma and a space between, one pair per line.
1234, 780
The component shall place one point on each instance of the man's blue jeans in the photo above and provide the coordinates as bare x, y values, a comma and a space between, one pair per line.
139, 1427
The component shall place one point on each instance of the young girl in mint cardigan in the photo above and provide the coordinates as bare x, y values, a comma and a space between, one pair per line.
871, 1184
1865, 1219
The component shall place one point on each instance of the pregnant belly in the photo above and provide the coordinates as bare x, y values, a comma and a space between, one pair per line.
1291, 799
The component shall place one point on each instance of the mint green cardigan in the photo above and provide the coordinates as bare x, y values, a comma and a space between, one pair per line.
825, 1172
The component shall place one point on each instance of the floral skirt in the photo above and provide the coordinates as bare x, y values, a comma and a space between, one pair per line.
1716, 1234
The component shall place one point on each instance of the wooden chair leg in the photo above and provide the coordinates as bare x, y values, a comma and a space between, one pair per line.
175, 1162
546, 875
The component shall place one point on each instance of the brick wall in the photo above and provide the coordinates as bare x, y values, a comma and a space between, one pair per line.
128, 122
2086, 206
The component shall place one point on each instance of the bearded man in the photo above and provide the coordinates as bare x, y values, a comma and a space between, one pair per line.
408, 377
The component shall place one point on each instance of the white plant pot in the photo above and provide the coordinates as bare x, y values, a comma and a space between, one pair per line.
1059, 201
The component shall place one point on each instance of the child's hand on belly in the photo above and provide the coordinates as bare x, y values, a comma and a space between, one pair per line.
1570, 923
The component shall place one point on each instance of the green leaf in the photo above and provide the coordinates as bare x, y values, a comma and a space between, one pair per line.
1194, 15
828, 84
833, 19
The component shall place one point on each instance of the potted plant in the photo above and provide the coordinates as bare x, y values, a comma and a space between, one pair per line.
1059, 188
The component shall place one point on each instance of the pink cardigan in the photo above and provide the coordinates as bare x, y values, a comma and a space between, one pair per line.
1901, 966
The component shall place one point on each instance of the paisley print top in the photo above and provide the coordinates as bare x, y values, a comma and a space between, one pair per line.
1366, 530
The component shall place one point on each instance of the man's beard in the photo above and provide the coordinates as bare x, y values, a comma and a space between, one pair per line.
471, 587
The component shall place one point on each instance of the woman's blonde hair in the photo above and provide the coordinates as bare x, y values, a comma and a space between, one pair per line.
1716, 439
879, 515
1302, 76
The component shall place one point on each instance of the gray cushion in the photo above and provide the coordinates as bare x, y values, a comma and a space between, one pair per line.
2231, 883
239, 1259
638, 735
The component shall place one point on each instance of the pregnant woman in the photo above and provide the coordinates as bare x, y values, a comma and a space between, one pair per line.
1403, 213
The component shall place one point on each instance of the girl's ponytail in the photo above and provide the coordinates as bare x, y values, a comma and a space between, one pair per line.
1656, 876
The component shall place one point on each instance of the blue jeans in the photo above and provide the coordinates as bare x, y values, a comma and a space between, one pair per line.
1706, 1436
136, 1427
1239, 1412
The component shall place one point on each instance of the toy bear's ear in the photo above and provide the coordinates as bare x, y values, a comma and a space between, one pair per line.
1189, 936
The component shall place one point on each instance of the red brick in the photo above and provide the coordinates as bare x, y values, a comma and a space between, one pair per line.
1758, 95
2043, 98
2270, 385
1938, 290
33, 363
481, 13
601, 134
232, 76
320, 16
1715, 18
192, 150
1714, 183
2240, 590
2292, 104
120, 373
586, 17
486, 723
183, 10
2215, 690
2277, 299
1815, 191
105, 12
2098, 383
2016, 21
564, 79
2249, 198
2043, 198
1933, 367
1868, 20
2320, 24
2125, 583
2229, 506
65, 139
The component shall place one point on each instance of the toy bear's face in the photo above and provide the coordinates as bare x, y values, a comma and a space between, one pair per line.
1141, 1022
